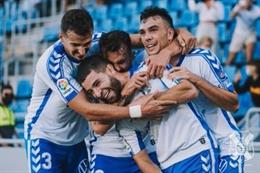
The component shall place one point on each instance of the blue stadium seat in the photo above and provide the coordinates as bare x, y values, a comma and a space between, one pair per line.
130, 8
1, 13
225, 52
106, 25
230, 71
100, 12
256, 54
51, 33
174, 16
8, 24
179, 5
223, 34
24, 89
21, 105
144, 4
188, 18
120, 23
115, 10
133, 26
258, 2
258, 28
227, 11
240, 58
90, 9
162, 3
245, 102
229, 2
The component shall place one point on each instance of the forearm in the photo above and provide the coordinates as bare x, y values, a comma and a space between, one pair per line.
221, 97
97, 112
181, 93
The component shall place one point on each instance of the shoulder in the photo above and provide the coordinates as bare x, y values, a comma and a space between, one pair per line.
203, 54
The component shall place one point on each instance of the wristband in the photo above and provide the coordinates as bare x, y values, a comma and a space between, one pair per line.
135, 111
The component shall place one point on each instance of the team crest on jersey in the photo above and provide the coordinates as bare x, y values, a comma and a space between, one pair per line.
64, 86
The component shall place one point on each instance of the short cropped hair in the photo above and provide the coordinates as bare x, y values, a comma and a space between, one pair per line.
113, 41
94, 62
156, 11
78, 21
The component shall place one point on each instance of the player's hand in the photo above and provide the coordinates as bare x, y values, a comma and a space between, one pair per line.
157, 63
186, 40
152, 108
136, 82
122, 77
183, 73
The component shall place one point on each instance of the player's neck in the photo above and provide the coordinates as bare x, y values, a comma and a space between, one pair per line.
175, 59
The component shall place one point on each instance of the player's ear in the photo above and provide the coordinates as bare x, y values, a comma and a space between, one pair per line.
170, 34
61, 36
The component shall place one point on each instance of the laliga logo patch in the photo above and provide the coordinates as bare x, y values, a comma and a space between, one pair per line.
64, 86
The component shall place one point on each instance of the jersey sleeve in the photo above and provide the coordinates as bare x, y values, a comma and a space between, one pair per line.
58, 74
212, 71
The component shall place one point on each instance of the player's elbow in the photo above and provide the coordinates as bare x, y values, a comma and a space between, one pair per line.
234, 106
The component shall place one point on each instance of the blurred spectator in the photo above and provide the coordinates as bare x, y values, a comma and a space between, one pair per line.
210, 12
7, 119
205, 43
245, 33
252, 83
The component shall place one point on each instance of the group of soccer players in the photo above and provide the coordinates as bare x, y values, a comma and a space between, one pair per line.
156, 111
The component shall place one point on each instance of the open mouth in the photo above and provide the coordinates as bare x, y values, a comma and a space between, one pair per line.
150, 47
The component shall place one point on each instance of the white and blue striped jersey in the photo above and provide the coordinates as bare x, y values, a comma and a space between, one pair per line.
180, 134
206, 65
125, 138
49, 116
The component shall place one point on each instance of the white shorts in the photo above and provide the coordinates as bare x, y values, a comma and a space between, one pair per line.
239, 40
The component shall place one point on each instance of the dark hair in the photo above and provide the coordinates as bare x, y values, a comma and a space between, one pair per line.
94, 62
156, 11
113, 41
6, 86
78, 21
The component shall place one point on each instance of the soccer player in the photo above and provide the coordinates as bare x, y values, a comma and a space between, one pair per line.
116, 51
56, 125
124, 139
203, 69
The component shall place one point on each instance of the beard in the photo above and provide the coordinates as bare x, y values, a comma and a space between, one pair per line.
116, 87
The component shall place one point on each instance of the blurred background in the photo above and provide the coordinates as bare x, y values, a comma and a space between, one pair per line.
28, 27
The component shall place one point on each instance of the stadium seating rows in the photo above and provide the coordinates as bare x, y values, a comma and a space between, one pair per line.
124, 15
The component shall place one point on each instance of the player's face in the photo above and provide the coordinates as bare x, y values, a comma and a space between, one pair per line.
155, 34
120, 59
75, 45
102, 87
